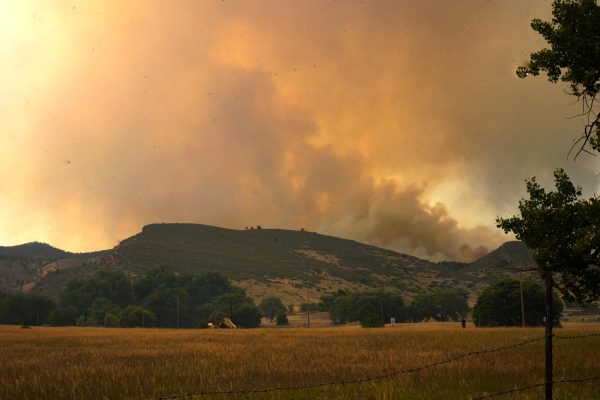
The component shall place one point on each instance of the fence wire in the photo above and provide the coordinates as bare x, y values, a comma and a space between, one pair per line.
577, 336
524, 388
353, 381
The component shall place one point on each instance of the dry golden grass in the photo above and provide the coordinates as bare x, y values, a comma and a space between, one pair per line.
97, 363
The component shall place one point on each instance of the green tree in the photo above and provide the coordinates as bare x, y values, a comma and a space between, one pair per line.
451, 304
573, 35
237, 306
422, 307
133, 316
282, 319
441, 305
247, 316
206, 287
163, 301
107, 283
155, 278
111, 320
369, 311
500, 305
63, 316
271, 307
100, 308
342, 309
25, 309
561, 230
326, 301
369, 308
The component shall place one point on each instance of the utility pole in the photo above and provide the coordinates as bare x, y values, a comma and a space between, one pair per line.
177, 312
307, 308
549, 320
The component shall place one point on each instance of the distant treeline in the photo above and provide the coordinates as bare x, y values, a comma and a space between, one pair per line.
375, 308
160, 297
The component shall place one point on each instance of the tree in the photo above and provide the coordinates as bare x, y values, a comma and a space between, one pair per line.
25, 309
342, 309
164, 303
247, 316
441, 305
111, 320
573, 57
369, 308
108, 283
133, 316
282, 319
422, 307
63, 316
561, 230
500, 305
205, 287
155, 278
369, 311
99, 310
271, 307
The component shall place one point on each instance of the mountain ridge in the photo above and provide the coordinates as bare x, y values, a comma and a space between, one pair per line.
280, 262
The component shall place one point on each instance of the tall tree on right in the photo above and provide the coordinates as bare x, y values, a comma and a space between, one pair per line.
561, 229
573, 57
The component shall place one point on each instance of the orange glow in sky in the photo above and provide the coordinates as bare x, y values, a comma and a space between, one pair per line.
390, 122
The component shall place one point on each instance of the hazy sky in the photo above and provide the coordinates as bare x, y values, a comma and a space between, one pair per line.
394, 122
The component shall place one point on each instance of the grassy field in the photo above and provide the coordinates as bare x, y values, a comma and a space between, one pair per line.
100, 363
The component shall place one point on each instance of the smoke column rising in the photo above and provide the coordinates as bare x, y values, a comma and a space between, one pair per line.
390, 122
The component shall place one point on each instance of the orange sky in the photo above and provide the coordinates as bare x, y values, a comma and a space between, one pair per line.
389, 122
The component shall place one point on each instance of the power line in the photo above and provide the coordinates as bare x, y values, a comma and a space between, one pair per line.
353, 381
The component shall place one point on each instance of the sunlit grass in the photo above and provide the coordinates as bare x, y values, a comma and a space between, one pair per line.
96, 363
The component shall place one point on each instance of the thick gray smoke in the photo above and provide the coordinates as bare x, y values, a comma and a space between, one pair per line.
389, 122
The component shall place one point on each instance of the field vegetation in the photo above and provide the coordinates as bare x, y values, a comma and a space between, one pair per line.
100, 363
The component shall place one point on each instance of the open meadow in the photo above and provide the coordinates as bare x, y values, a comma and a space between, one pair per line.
101, 363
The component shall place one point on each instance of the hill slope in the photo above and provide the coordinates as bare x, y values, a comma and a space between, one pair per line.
281, 262
285, 263
41, 267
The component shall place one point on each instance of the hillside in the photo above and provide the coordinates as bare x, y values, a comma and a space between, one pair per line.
277, 262
286, 263
41, 267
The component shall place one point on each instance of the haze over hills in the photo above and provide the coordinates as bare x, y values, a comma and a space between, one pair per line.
265, 262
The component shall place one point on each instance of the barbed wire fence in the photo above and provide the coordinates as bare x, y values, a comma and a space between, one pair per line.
192, 395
